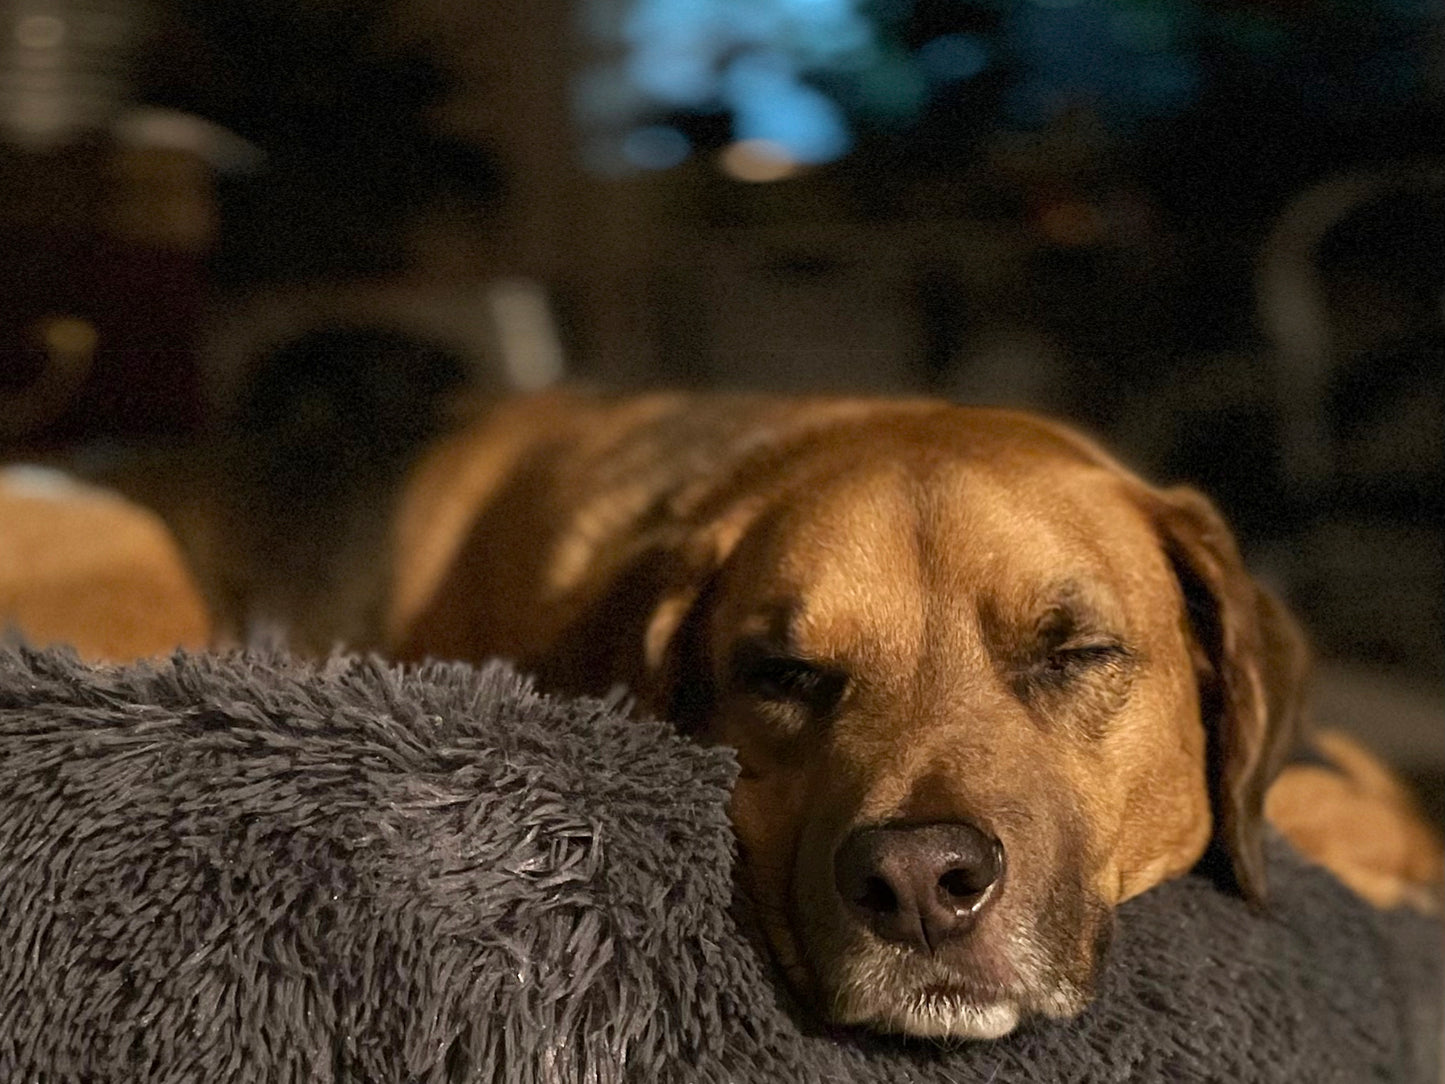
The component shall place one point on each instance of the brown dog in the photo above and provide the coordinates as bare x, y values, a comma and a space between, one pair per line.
984, 683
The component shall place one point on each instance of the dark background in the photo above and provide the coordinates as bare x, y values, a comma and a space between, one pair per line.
1213, 233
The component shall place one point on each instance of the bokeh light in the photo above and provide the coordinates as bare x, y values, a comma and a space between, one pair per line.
655, 146
757, 161
817, 77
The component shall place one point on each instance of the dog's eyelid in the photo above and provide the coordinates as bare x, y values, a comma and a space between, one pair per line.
1082, 652
1074, 627
1094, 644
772, 674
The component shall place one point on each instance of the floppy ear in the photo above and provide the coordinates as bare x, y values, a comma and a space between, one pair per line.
1252, 662
677, 680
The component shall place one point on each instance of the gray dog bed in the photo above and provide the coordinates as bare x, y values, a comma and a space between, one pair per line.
246, 868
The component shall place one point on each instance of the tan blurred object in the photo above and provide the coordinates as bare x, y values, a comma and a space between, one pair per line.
82, 566
1359, 822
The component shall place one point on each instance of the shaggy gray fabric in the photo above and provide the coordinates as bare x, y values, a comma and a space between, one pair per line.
246, 868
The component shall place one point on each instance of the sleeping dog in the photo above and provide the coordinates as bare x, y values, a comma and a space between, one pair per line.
984, 684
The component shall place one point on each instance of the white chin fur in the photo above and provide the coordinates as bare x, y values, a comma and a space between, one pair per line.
938, 1019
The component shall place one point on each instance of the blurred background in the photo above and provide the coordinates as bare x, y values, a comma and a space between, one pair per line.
1212, 232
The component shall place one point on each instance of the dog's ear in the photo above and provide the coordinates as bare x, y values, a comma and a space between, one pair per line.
1252, 662
678, 680
678, 673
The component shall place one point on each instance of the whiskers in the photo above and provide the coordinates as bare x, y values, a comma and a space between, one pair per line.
980, 995
943, 1016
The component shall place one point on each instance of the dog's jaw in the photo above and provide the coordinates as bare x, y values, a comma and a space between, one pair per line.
931, 1016
1015, 965
888, 990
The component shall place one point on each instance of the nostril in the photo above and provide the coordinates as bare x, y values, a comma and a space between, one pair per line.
964, 881
877, 896
964, 884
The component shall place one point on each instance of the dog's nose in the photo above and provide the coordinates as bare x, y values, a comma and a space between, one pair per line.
919, 884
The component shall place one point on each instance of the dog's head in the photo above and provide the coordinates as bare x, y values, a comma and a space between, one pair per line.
984, 685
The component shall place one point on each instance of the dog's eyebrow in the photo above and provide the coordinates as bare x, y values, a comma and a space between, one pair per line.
774, 623
1074, 604
769, 633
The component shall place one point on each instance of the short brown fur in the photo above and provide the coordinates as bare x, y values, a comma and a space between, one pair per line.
913, 549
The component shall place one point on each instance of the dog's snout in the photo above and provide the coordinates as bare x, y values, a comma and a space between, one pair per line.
919, 884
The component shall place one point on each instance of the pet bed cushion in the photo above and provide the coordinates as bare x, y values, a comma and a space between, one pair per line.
248, 868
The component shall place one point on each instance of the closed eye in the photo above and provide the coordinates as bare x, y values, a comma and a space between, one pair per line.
1060, 669
1067, 646
1072, 659
1082, 683
783, 679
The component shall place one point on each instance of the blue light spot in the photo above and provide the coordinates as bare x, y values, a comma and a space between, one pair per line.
605, 97
677, 78
816, 8
656, 146
953, 58
770, 102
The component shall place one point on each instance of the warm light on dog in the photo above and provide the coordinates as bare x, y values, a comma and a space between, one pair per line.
983, 683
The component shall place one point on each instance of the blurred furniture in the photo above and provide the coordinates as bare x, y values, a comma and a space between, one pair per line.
106, 217
97, 323
1331, 296
870, 307
503, 330
1351, 294
103, 247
